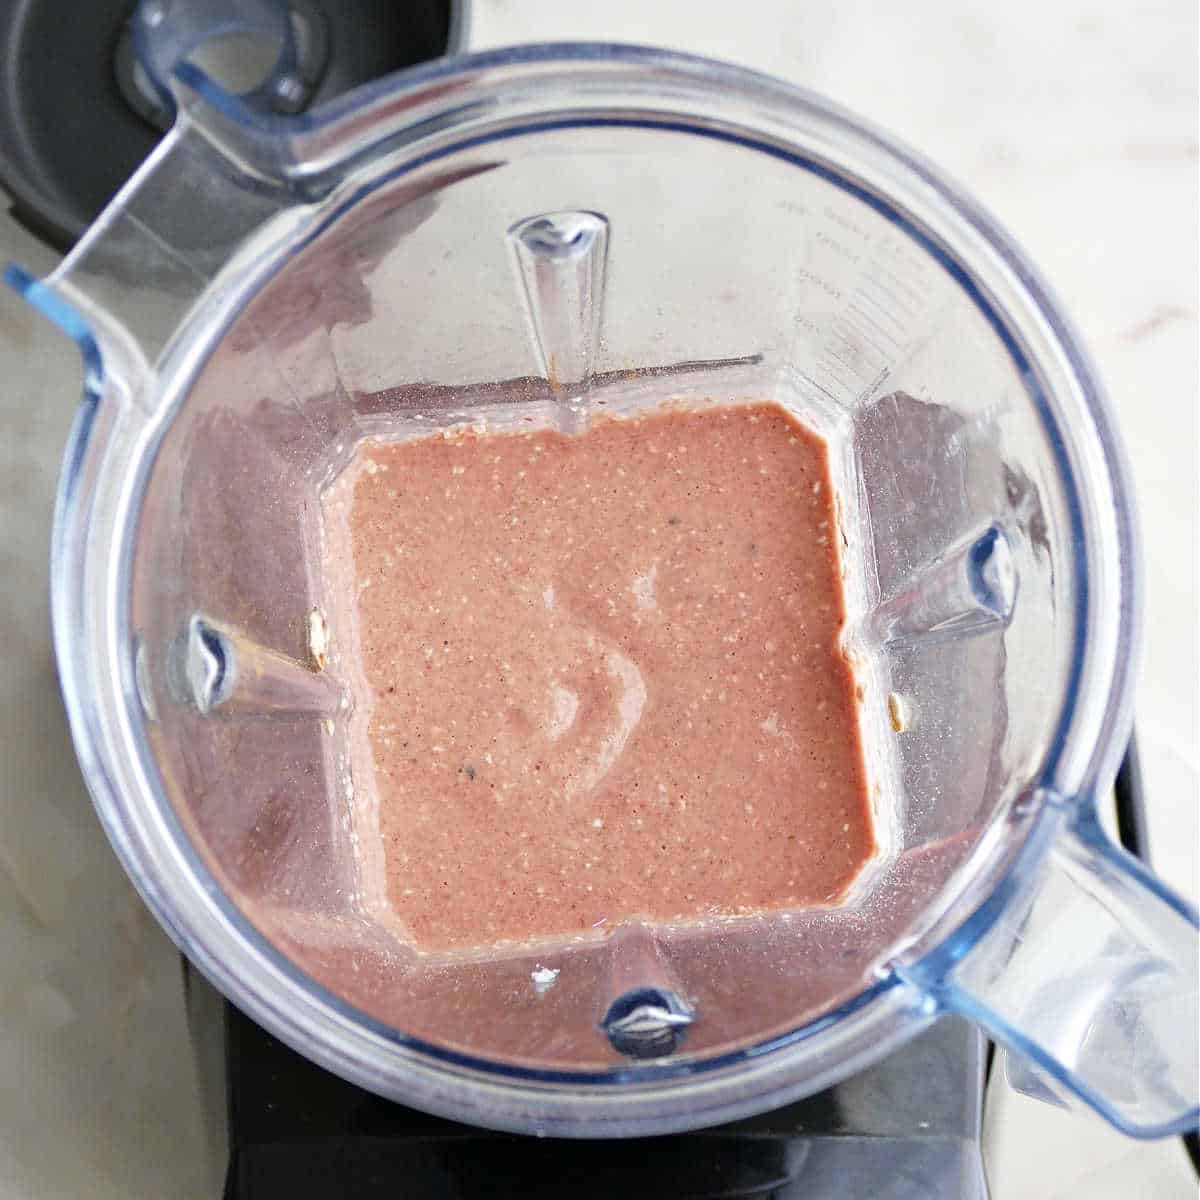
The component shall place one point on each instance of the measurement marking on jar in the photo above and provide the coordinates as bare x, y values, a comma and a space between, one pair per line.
907, 319
847, 387
862, 334
857, 341
825, 240
859, 335
853, 367
846, 223
823, 390
904, 311
897, 281
828, 362
883, 310
870, 320
807, 276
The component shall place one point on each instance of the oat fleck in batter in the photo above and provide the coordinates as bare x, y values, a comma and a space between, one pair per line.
603, 674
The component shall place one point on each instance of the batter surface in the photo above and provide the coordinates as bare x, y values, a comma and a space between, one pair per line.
602, 674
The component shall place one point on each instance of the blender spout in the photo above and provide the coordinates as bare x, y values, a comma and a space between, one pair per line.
150, 259
221, 173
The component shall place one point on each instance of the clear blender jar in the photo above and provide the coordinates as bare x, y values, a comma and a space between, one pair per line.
527, 235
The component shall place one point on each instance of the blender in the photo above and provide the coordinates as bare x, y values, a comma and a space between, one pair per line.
535, 233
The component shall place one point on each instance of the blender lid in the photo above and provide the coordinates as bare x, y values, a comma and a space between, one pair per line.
72, 86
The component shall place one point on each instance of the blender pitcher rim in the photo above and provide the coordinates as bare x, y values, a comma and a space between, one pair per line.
1116, 707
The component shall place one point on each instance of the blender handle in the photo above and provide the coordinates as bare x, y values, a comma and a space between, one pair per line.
220, 174
1089, 980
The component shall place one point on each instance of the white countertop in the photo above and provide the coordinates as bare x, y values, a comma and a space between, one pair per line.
1075, 123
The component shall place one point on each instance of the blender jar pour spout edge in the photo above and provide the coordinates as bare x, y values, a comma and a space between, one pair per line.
128, 284
134, 278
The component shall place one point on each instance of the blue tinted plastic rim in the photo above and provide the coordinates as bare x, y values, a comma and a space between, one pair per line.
933, 975
564, 56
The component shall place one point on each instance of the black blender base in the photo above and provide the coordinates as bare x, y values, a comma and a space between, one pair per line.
69, 134
906, 1129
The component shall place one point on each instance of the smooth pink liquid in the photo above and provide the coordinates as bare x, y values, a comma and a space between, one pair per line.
604, 674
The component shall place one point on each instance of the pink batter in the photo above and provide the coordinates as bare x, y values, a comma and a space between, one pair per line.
603, 673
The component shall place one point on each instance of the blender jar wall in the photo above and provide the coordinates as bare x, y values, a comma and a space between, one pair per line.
405, 315
969, 562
